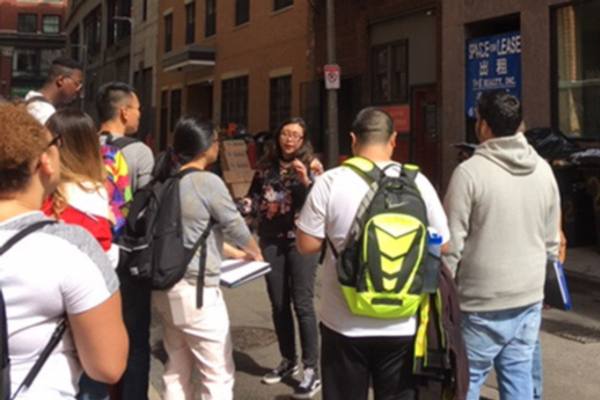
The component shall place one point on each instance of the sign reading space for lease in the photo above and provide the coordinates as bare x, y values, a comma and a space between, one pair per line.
492, 63
332, 76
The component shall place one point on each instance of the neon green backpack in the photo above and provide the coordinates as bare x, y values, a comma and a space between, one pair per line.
384, 268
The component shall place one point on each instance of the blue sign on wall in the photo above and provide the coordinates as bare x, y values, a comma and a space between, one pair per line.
493, 62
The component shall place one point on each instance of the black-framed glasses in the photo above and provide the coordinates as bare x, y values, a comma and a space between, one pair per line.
56, 141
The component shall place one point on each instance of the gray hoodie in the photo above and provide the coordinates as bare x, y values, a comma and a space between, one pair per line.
503, 211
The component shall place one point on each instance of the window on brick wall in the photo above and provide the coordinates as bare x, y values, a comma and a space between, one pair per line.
117, 29
26, 62
74, 44
27, 23
190, 22
389, 72
210, 18
92, 31
576, 83
51, 24
234, 101
280, 105
144, 10
242, 11
175, 107
168, 33
164, 119
279, 4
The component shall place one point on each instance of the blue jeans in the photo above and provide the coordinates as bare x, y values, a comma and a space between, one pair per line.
505, 340
537, 372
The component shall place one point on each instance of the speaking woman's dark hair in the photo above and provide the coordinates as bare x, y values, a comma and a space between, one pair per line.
305, 152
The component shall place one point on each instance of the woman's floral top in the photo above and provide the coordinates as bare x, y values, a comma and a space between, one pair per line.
274, 200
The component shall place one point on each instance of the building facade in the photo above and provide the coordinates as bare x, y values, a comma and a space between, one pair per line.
240, 63
556, 74
144, 56
31, 36
389, 56
100, 42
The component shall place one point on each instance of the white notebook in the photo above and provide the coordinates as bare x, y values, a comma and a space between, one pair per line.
237, 272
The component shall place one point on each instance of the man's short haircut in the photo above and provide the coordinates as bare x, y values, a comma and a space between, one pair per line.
372, 125
501, 111
62, 66
110, 97
22, 139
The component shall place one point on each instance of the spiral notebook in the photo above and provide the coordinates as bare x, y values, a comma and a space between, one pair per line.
237, 272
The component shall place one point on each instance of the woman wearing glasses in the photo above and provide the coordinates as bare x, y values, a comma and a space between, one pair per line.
277, 193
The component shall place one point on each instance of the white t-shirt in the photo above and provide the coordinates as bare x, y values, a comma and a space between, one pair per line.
329, 211
40, 110
57, 270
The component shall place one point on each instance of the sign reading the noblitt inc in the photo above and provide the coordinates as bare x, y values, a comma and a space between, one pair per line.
493, 62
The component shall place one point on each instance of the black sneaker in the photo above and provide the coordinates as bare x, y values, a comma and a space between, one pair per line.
284, 369
310, 385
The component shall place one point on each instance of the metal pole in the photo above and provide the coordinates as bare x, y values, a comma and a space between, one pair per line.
332, 95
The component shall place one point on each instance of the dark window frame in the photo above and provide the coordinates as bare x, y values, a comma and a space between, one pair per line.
234, 100
281, 4
164, 119
190, 22
168, 34
92, 32
175, 106
280, 100
74, 44
144, 10
398, 90
21, 23
242, 12
210, 18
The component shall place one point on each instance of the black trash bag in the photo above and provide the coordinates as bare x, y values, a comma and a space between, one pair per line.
550, 143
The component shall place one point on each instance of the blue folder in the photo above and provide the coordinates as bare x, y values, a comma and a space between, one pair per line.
556, 289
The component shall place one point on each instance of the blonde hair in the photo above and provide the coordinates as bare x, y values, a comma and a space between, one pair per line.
80, 157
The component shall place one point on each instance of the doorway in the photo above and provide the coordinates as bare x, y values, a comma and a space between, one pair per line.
426, 144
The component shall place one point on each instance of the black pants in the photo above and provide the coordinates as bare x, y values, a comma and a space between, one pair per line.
136, 296
349, 364
292, 281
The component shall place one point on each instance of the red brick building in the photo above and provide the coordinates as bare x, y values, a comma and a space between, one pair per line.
242, 62
31, 36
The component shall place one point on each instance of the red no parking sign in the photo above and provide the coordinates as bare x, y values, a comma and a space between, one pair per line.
332, 76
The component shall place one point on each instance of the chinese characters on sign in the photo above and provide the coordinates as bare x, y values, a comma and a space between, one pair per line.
493, 62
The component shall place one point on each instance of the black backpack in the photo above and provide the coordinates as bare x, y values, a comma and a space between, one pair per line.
5, 385
152, 245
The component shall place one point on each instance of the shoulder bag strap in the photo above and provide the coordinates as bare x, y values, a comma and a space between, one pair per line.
58, 331
202, 264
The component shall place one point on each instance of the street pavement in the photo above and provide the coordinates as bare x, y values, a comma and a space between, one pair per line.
570, 340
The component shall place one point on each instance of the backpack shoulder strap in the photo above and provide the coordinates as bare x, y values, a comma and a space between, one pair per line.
58, 332
364, 167
410, 171
123, 141
202, 267
23, 233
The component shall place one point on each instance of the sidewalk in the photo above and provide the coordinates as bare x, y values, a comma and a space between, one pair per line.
583, 263
255, 348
